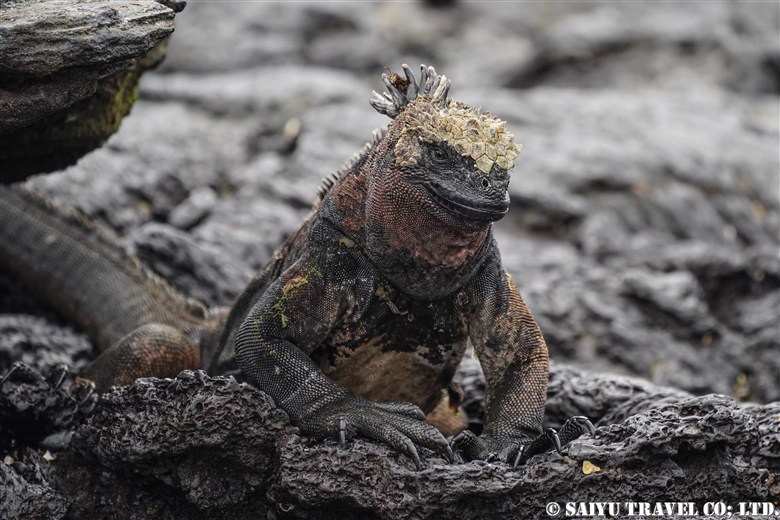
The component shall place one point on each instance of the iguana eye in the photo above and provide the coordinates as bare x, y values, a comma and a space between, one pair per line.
439, 155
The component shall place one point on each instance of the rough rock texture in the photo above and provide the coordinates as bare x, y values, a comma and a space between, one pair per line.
591, 45
70, 71
38, 342
26, 491
643, 234
199, 447
32, 409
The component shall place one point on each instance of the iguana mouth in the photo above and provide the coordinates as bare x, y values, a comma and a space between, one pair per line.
468, 208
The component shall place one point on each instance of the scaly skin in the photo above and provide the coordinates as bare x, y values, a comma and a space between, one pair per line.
379, 291
358, 323
141, 325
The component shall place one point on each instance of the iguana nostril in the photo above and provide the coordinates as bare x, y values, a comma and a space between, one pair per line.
485, 184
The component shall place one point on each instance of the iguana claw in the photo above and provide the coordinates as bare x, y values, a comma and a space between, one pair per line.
342, 431
518, 457
58, 374
518, 451
14, 367
548, 439
575, 427
397, 424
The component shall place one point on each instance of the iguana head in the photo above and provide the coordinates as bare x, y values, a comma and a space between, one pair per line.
454, 157
421, 197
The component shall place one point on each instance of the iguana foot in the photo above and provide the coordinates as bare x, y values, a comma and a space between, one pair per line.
83, 391
488, 448
401, 425
33, 406
517, 451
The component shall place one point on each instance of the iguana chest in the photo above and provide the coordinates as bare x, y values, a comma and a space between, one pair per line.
396, 349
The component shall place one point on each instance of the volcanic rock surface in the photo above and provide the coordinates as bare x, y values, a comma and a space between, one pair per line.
643, 234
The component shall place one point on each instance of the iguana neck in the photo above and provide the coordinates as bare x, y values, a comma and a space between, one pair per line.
422, 256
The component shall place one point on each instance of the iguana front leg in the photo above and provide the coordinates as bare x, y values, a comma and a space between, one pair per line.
513, 355
273, 344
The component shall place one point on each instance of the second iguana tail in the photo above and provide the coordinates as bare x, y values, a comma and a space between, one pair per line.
141, 325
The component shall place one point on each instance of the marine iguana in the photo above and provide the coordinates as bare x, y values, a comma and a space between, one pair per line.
358, 323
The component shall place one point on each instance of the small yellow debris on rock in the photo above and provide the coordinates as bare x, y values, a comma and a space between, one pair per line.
588, 467
8, 460
292, 128
48, 457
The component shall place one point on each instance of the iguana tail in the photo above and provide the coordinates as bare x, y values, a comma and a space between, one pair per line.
85, 273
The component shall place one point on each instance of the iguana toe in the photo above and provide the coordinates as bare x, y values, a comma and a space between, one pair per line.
58, 375
397, 424
574, 428
407, 409
21, 371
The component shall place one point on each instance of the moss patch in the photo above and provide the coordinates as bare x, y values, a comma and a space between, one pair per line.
289, 291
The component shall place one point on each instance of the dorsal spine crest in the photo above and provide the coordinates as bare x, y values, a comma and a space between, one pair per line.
429, 116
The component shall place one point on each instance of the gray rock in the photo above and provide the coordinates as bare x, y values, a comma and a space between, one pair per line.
40, 343
41, 38
26, 104
70, 70
589, 316
253, 428
328, 139
471, 379
164, 151
339, 35
661, 151
199, 271
217, 39
33, 407
288, 89
621, 200
508, 51
251, 234
682, 46
25, 491
678, 293
605, 398
156, 443
608, 398
625, 46
176, 5
193, 210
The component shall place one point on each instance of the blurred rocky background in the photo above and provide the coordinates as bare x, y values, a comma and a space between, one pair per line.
644, 235
644, 226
